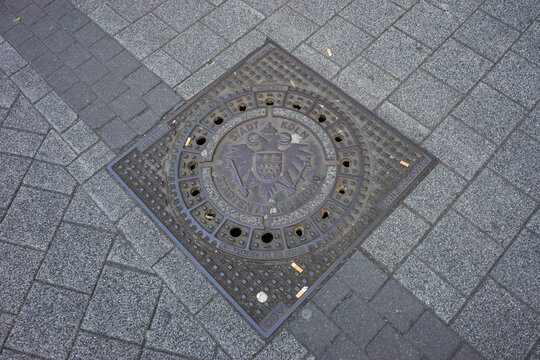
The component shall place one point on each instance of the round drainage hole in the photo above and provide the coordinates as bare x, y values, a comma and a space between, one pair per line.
218, 120
200, 140
342, 189
296, 106
235, 232
242, 107
325, 214
299, 231
192, 165
210, 215
321, 118
194, 191
269, 102
338, 138
267, 238
346, 163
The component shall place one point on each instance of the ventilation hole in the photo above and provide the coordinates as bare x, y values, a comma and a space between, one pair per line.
210, 215
218, 120
235, 232
325, 214
296, 106
269, 102
242, 107
192, 165
299, 231
194, 191
321, 118
342, 189
267, 238
346, 163
200, 140
338, 138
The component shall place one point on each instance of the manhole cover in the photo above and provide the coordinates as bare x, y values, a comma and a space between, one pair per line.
268, 179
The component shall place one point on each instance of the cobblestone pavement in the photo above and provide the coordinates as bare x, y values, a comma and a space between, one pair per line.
453, 272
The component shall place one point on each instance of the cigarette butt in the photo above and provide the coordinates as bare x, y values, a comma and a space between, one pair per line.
329, 52
406, 164
296, 267
187, 141
301, 292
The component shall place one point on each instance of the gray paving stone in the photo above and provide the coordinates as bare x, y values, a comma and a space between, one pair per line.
105, 48
6, 321
395, 237
435, 192
251, 41
19, 143
109, 87
232, 19
358, 320
123, 253
366, 83
175, 330
178, 272
18, 34
133, 10
345, 40
427, 286
8, 91
318, 11
528, 44
372, 16
74, 55
518, 15
521, 79
331, 294
7, 354
316, 61
458, 251
54, 149
73, 20
89, 34
425, 98
79, 97
343, 348
18, 5
145, 35
362, 275
181, 14
82, 210
10, 60
517, 160
459, 147
47, 323
166, 68
31, 84
18, 268
489, 112
44, 27
108, 19
389, 344
122, 304
91, 346
432, 337
162, 99
495, 206
466, 352
230, 56
56, 111
149, 354
80, 137
108, 195
221, 355
229, 329
298, 28
116, 134
58, 41
460, 8
62, 79
49, 177
97, 114
266, 7
497, 324
90, 161
13, 170
142, 80
427, 24
397, 305
75, 257
187, 50
143, 122
58, 8
31, 48
397, 53
199, 80
31, 14
128, 105
46, 63
519, 269
91, 71
283, 346
531, 125
23, 116
534, 222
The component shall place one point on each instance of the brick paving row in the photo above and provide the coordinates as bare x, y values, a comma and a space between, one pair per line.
452, 273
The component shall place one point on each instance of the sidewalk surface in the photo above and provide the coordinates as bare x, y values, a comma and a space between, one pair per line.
452, 273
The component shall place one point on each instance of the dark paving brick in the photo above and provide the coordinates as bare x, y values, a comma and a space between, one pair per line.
90, 162
91, 71
50, 177
24, 116
518, 162
58, 41
74, 55
497, 324
80, 137
371, 16
284, 345
527, 45
358, 320
97, 114
395, 237
46, 64
10, 60
142, 80
122, 304
234, 18
18, 268
116, 134
91, 346
123, 253
496, 207
519, 15
307, 319
31, 14
31, 84
79, 96
54, 149
466, 352
144, 121
83, 210
18, 5
44, 27
343, 348
109, 87
89, 34
397, 305
62, 79
162, 99
128, 105
31, 48
105, 49
58, 8
432, 337
56, 111
123, 64
389, 344
519, 269
18, 34
331, 294
19, 143
362, 275
13, 170
75, 257
73, 20
48, 321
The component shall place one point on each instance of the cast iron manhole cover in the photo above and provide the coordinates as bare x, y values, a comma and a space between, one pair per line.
268, 179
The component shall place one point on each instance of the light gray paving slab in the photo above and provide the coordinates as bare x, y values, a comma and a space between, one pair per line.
122, 304
23, 116
251, 41
8, 354
458, 251
232, 19
108, 19
497, 324
230, 56
266, 7
283, 346
316, 61
531, 125
199, 80
467, 352
91, 346
287, 27
19, 143
80, 137
365, 82
459, 147
435, 192
459, 8
10, 60
13, 170
516, 14
133, 9
75, 257
56, 111
372, 16
528, 44
185, 280
229, 329
150, 354
6, 321
55, 150
89, 162
175, 330
181, 14
402, 122
18, 268
489, 112
319, 11
51, 177
519, 269
534, 222
47, 323
8, 91
427, 286
83, 210
495, 206
147, 239
517, 160
31, 83
362, 275
33, 217
425, 98
395, 237
123, 253
166, 68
